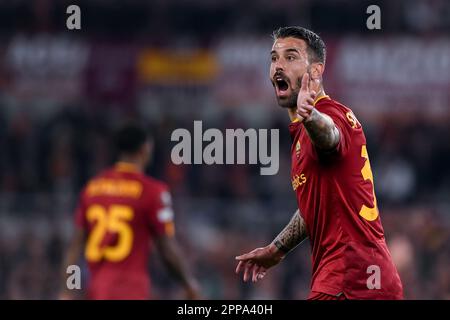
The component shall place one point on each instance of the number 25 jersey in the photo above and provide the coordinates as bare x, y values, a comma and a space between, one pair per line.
121, 211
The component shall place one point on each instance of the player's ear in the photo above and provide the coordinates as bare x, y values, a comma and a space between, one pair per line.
316, 70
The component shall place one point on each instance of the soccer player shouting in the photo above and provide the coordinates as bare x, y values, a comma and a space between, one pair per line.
333, 182
120, 213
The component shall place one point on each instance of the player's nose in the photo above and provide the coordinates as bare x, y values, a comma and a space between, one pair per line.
279, 66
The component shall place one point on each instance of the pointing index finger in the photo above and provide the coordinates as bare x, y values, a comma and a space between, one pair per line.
305, 81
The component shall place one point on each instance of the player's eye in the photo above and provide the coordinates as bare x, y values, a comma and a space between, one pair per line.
290, 58
273, 58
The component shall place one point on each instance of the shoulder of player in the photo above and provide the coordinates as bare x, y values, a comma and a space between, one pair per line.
331, 105
153, 184
334, 108
84, 189
155, 190
100, 175
341, 114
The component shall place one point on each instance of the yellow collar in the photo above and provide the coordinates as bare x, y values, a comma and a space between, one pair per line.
126, 167
320, 98
314, 104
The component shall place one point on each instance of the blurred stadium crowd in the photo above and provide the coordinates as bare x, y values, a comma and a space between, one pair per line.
168, 63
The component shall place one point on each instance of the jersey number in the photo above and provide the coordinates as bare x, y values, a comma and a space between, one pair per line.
368, 213
115, 220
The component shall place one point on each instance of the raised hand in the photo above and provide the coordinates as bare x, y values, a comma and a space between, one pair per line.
307, 94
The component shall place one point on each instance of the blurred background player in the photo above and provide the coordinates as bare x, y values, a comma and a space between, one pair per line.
121, 213
332, 180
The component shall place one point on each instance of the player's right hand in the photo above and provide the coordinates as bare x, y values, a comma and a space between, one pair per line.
306, 95
256, 263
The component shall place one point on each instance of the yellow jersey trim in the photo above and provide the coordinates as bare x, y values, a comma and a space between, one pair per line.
320, 98
126, 167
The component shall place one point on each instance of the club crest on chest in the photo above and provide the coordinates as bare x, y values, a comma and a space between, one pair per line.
297, 149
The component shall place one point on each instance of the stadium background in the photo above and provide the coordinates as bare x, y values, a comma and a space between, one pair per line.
170, 62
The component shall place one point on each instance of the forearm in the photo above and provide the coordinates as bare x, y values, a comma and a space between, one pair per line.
322, 130
178, 270
171, 257
292, 235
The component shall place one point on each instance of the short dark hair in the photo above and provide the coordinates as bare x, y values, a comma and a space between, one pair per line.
130, 138
316, 47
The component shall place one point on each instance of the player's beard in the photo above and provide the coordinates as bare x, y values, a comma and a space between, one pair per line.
290, 101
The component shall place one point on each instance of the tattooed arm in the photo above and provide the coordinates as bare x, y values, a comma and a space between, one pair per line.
321, 130
292, 235
319, 126
256, 263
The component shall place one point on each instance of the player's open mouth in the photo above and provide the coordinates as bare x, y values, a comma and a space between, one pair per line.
281, 85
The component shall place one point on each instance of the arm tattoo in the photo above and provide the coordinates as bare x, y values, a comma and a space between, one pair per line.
292, 235
322, 131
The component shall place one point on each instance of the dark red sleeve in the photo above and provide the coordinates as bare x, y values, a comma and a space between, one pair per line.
339, 117
160, 212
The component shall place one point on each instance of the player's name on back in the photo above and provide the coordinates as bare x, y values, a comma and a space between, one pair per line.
114, 187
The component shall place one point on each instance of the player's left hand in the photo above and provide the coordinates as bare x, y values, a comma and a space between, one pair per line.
307, 94
256, 263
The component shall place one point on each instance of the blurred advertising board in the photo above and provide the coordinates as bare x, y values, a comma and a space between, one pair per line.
111, 75
44, 66
159, 66
371, 75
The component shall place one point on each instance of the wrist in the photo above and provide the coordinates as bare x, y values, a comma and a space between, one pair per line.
278, 249
311, 116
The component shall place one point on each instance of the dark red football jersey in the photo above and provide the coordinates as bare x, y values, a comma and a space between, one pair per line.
121, 211
336, 198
